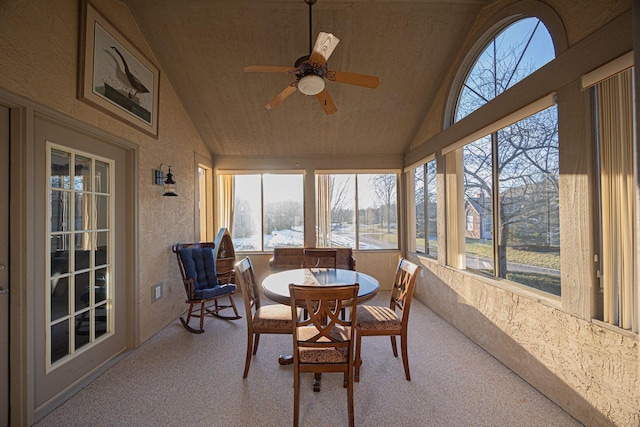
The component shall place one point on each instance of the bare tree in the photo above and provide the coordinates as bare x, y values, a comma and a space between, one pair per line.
384, 188
525, 156
243, 225
341, 202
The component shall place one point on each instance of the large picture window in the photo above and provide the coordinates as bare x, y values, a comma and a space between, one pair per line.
359, 211
511, 199
268, 210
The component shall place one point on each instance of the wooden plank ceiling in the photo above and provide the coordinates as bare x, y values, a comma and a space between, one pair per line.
203, 45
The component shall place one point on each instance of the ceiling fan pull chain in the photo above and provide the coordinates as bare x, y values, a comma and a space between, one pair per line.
310, 23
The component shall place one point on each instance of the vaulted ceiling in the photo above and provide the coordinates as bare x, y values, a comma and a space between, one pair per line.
203, 46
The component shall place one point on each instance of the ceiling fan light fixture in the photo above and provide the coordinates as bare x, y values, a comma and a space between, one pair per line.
311, 84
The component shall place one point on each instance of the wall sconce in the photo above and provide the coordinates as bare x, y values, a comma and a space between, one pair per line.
169, 185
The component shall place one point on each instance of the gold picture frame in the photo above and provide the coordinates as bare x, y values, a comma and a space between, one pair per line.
114, 76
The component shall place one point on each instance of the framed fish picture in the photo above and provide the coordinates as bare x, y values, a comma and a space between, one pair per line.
114, 76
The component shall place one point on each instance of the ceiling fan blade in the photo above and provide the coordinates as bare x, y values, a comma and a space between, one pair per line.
322, 50
363, 80
326, 102
269, 69
282, 96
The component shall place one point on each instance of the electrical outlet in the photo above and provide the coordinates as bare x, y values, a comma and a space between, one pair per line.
156, 292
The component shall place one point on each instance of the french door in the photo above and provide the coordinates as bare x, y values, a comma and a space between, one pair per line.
82, 299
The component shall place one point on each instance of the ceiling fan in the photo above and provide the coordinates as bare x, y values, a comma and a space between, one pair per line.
311, 72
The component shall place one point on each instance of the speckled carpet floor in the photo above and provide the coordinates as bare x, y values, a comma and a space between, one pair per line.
182, 379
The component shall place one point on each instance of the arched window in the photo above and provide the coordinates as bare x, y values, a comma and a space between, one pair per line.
516, 52
509, 227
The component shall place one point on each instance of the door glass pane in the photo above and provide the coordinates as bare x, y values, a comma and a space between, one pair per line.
82, 218
82, 251
283, 211
59, 254
102, 177
82, 179
102, 248
101, 285
83, 329
60, 169
101, 320
60, 210
478, 184
59, 297
82, 291
247, 214
102, 212
377, 211
59, 340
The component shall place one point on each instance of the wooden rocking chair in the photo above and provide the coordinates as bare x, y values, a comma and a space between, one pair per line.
202, 284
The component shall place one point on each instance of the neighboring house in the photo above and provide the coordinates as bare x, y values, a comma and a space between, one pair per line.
479, 223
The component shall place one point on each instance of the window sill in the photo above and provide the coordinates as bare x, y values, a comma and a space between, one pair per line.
540, 297
616, 329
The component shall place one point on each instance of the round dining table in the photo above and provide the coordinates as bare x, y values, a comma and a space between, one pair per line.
276, 285
276, 288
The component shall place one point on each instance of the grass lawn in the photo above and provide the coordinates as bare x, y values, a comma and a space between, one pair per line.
538, 258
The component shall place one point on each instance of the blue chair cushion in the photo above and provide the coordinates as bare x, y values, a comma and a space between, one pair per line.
199, 264
216, 291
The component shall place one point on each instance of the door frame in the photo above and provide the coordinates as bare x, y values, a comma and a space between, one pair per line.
4, 266
23, 250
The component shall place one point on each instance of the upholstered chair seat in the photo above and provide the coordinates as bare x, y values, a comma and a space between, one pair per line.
276, 316
372, 318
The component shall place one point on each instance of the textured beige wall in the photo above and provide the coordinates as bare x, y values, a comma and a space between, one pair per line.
589, 370
39, 51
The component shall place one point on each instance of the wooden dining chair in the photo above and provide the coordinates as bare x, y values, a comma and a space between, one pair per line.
322, 340
319, 258
261, 319
392, 320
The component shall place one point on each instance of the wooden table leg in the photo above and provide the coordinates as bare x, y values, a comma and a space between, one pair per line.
316, 381
286, 359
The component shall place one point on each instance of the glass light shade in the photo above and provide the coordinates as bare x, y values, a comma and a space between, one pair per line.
169, 185
311, 85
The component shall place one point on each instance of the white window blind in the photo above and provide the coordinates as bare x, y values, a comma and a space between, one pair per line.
617, 136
